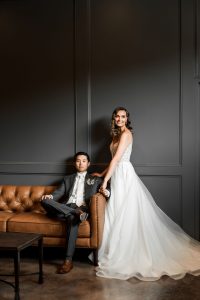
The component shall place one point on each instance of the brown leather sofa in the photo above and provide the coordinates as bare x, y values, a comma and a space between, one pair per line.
21, 211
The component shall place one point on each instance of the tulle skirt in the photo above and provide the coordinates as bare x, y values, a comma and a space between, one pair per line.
139, 239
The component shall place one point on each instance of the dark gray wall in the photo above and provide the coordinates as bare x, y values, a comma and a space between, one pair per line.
65, 65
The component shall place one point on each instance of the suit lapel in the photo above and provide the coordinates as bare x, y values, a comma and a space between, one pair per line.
72, 183
86, 186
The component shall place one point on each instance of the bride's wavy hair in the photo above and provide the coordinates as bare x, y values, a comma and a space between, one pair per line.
115, 130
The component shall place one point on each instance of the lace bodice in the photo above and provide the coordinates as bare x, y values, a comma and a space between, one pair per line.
127, 153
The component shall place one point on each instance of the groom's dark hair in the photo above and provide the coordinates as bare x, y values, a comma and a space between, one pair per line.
81, 153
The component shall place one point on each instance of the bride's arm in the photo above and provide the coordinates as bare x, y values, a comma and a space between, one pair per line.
123, 143
100, 174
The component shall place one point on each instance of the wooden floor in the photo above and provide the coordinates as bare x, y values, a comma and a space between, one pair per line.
81, 284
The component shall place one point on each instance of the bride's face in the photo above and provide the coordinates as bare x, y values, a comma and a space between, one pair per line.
121, 119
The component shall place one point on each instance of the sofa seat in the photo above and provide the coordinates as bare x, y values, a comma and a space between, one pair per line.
4, 217
39, 223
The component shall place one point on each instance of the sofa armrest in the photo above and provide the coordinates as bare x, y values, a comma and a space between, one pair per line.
97, 217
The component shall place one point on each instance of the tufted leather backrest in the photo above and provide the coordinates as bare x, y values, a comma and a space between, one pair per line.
23, 198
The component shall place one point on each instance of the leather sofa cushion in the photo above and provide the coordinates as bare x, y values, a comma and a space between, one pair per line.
4, 217
40, 223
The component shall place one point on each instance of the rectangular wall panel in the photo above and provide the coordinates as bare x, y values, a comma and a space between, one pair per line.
36, 85
135, 63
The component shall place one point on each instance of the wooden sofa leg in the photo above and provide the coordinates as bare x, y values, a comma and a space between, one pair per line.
95, 253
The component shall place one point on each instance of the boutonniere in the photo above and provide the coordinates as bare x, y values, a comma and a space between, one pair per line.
90, 181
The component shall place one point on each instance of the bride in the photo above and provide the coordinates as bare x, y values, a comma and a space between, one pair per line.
139, 239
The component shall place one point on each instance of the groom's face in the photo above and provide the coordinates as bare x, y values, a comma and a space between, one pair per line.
81, 163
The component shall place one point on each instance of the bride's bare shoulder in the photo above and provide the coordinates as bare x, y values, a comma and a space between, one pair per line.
127, 135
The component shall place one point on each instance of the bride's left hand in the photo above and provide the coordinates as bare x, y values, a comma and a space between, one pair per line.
103, 187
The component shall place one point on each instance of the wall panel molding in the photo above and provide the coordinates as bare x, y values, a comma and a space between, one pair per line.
196, 36
197, 160
36, 168
82, 70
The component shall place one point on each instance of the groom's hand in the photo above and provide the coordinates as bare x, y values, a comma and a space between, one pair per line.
47, 197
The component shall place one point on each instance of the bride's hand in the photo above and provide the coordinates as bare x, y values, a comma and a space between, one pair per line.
103, 187
96, 174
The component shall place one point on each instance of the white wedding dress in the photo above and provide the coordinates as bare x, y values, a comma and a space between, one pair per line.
139, 239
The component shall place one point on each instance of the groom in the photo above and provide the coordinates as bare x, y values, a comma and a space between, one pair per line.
74, 192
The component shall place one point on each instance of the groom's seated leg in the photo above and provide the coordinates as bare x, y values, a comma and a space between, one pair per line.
71, 236
56, 208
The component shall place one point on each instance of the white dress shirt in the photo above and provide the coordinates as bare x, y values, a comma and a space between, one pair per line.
78, 195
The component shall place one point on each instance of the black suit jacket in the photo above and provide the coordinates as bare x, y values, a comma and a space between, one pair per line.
64, 191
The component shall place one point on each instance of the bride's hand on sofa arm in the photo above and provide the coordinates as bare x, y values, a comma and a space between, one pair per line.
100, 174
97, 174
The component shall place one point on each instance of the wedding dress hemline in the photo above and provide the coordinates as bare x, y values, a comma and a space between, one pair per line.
100, 273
